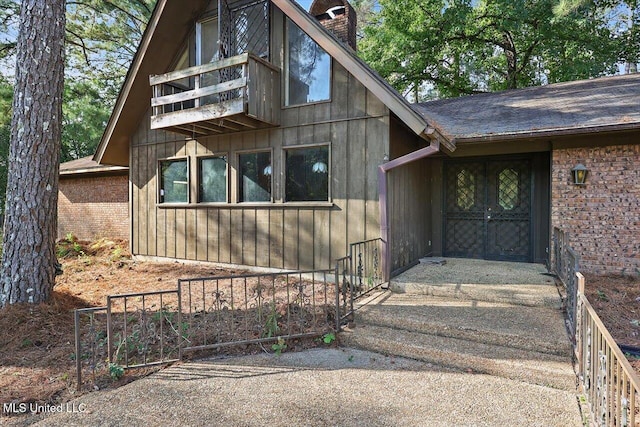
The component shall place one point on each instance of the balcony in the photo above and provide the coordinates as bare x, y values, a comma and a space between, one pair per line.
231, 95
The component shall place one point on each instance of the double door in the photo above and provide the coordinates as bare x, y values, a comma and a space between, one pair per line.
488, 212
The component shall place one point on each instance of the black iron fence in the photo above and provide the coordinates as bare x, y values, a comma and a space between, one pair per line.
565, 266
251, 309
91, 342
358, 274
151, 328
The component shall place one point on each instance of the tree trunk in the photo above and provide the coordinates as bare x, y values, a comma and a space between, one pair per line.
512, 61
27, 273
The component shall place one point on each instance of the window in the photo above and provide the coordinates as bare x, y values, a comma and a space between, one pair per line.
174, 181
255, 174
307, 174
465, 189
307, 68
508, 188
212, 179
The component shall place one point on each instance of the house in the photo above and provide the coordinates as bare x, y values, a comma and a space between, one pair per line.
93, 200
255, 136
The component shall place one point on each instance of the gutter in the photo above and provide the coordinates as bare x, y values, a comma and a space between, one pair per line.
433, 148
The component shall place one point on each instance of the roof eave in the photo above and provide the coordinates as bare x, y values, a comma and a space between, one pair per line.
547, 133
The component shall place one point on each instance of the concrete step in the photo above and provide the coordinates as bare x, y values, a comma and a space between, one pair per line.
537, 329
531, 367
531, 295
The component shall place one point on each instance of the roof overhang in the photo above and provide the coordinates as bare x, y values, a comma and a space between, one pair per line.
159, 44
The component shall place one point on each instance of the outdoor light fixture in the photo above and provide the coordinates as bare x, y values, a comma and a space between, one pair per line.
267, 171
320, 167
579, 174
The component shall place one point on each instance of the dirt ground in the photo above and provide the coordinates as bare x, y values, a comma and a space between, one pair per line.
37, 358
616, 299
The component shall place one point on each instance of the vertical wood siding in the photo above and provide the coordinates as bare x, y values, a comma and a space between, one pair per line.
355, 124
409, 200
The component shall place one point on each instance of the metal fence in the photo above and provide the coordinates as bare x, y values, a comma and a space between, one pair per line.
565, 266
143, 329
610, 384
251, 309
151, 328
357, 275
91, 342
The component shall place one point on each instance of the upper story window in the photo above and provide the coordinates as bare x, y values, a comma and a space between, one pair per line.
307, 174
212, 179
307, 68
255, 177
174, 181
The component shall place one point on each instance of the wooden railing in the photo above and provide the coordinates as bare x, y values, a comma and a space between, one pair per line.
610, 385
244, 84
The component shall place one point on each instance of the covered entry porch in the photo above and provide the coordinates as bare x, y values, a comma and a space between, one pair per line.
465, 205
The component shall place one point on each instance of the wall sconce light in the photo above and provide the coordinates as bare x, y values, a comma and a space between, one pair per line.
267, 171
319, 167
579, 174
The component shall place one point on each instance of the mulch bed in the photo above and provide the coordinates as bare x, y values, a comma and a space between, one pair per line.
37, 361
616, 299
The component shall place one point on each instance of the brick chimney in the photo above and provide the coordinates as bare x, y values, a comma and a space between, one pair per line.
339, 17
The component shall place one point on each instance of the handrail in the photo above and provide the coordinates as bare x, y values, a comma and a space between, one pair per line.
156, 79
199, 69
190, 94
610, 383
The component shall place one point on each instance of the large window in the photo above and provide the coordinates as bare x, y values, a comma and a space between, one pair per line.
174, 181
307, 174
212, 179
308, 69
255, 175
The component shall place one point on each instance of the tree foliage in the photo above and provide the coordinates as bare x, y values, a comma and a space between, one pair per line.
101, 38
460, 47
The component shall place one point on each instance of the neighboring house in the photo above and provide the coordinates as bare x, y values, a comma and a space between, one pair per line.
255, 136
93, 200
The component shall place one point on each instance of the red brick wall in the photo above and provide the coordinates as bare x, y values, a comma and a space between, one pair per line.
602, 217
92, 207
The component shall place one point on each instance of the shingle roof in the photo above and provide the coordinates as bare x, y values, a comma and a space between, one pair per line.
87, 165
603, 104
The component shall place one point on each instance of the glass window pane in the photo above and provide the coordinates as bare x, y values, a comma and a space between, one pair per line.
508, 185
213, 179
308, 68
307, 174
208, 42
465, 189
255, 172
174, 181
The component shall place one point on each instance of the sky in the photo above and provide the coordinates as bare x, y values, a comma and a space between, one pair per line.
305, 3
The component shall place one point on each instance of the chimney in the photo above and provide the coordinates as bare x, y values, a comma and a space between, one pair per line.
337, 16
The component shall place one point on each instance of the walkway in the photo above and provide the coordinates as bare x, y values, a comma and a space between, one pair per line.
476, 360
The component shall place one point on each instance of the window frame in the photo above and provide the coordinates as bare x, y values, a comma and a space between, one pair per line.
285, 71
285, 171
160, 189
239, 178
199, 158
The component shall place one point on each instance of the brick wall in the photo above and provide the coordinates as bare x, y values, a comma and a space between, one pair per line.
602, 217
95, 206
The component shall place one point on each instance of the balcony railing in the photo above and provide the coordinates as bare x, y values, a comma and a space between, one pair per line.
230, 95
